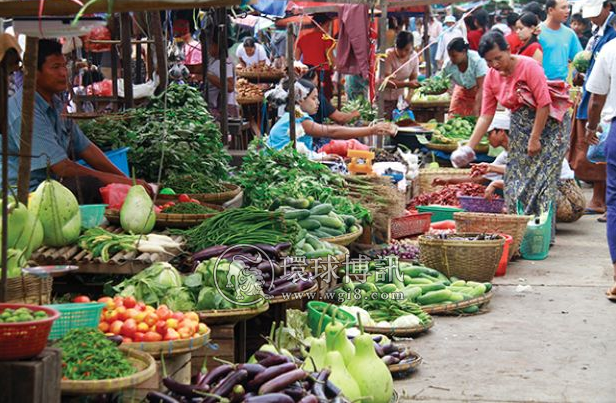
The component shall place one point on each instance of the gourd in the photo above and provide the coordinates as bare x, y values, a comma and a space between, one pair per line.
336, 340
137, 213
370, 373
341, 377
316, 358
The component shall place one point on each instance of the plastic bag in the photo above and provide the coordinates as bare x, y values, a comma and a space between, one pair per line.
114, 195
596, 153
463, 156
102, 88
341, 147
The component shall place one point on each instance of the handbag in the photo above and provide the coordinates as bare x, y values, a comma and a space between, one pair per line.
596, 152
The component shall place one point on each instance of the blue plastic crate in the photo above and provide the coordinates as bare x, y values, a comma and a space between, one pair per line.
118, 157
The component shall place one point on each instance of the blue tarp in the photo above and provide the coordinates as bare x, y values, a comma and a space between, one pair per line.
271, 7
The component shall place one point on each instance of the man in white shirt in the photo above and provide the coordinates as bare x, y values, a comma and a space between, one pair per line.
251, 53
451, 31
601, 84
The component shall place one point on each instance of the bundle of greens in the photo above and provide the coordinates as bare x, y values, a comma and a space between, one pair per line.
195, 182
366, 111
189, 208
268, 176
434, 85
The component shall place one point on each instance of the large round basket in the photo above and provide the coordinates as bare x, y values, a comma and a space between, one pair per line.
29, 289
326, 270
166, 220
171, 347
346, 239
230, 316
399, 331
296, 296
449, 148
143, 362
260, 75
454, 308
426, 176
249, 100
510, 224
467, 260
215, 198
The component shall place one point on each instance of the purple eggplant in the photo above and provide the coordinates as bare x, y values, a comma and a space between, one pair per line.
183, 389
226, 385
284, 288
247, 258
159, 397
253, 369
261, 354
319, 385
274, 360
378, 349
390, 360
377, 338
305, 284
297, 393
283, 246
270, 373
208, 253
117, 339
309, 399
389, 348
269, 398
266, 266
214, 375
331, 389
282, 381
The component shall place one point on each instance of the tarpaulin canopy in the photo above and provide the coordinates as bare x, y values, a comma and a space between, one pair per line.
275, 8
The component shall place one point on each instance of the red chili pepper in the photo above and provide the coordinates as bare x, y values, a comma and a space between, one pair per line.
184, 198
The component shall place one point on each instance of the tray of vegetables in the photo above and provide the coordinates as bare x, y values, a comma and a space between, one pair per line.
435, 85
93, 364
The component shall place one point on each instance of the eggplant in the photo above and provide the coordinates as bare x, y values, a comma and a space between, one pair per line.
284, 288
295, 393
282, 381
224, 388
378, 349
266, 266
270, 398
283, 246
331, 389
377, 338
183, 389
271, 373
159, 397
309, 399
214, 375
305, 284
247, 258
319, 386
273, 360
261, 354
237, 394
390, 360
253, 369
207, 253
389, 348
117, 339
269, 250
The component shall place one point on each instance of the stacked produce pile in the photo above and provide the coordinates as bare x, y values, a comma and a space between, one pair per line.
454, 130
176, 122
434, 85
22, 314
247, 90
400, 248
318, 219
448, 195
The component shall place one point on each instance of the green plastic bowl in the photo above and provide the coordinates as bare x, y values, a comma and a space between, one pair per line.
92, 215
439, 213
315, 311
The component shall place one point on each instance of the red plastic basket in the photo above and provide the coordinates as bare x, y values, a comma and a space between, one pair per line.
413, 224
481, 204
21, 340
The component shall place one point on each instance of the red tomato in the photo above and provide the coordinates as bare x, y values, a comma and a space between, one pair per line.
171, 334
130, 302
119, 301
139, 337
142, 327
195, 201
122, 315
81, 299
185, 333
152, 336
163, 312
111, 316
184, 198
161, 327
178, 315
132, 312
116, 327
103, 327
140, 306
105, 300
203, 329
127, 340
129, 328
192, 316
151, 318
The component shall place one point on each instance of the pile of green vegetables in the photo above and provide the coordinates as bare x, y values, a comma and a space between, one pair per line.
184, 130
268, 176
318, 219
367, 112
22, 314
248, 225
193, 183
434, 85
188, 208
454, 130
87, 355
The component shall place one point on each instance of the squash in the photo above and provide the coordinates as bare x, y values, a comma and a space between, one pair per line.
341, 377
370, 372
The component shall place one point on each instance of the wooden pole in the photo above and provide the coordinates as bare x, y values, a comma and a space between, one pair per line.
291, 74
426, 40
27, 118
4, 112
204, 65
159, 47
382, 50
115, 34
127, 54
224, 87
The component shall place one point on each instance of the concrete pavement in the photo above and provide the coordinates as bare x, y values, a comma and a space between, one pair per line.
553, 343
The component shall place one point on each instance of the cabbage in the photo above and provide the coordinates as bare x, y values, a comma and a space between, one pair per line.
366, 320
409, 320
179, 299
58, 210
165, 274
581, 61
137, 213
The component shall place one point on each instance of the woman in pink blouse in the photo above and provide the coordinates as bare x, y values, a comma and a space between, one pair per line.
537, 142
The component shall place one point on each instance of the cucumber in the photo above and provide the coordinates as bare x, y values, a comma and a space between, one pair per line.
296, 214
488, 286
407, 279
368, 287
388, 288
426, 288
314, 242
473, 283
478, 291
456, 297
418, 281
309, 224
318, 253
464, 290
349, 220
352, 229
300, 244
319, 233
302, 233
431, 278
308, 248
297, 203
459, 283
411, 293
328, 221
434, 297
332, 231
471, 309
321, 209
415, 271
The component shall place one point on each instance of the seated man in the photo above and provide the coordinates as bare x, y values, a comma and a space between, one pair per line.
58, 142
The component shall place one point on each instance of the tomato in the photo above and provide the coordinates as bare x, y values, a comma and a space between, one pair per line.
161, 327
140, 317
203, 329
143, 327
129, 328
116, 327
150, 318
111, 316
178, 315
184, 198
171, 334
185, 333
172, 323
152, 336
103, 327
81, 299
121, 310
163, 312
139, 337
106, 300
119, 301
130, 302
192, 316
187, 323
195, 201
149, 308
132, 313
127, 340
140, 306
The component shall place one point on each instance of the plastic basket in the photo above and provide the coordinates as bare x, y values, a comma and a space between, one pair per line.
25, 339
536, 242
481, 204
413, 224
75, 316
118, 157
439, 213
92, 215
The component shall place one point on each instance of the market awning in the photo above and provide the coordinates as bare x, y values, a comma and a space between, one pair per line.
253, 22
28, 8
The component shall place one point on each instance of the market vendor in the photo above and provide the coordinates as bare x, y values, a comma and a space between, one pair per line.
404, 62
467, 70
251, 53
307, 103
58, 141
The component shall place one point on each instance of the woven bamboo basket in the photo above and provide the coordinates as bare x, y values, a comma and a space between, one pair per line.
426, 176
230, 316
454, 308
166, 220
170, 347
261, 75
29, 289
467, 260
406, 367
399, 331
214, 198
327, 277
510, 224
346, 239
143, 362
297, 296
249, 100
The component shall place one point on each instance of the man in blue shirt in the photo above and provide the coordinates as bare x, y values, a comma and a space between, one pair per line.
58, 142
560, 43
